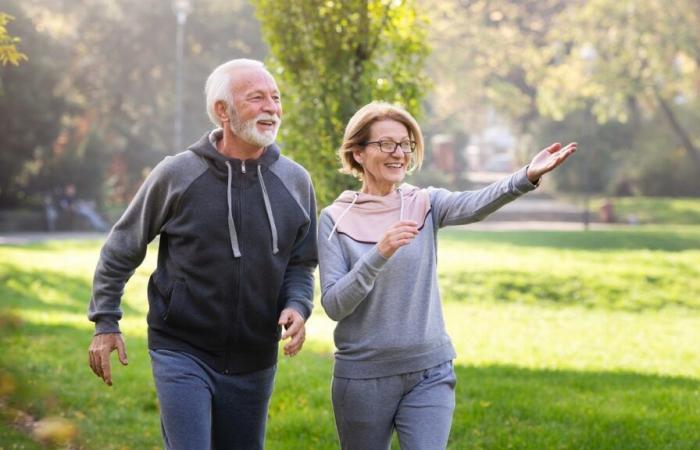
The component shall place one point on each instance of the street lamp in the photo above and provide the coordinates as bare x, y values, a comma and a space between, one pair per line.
181, 8
589, 55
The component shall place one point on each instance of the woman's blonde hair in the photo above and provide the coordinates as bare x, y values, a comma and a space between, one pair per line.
358, 129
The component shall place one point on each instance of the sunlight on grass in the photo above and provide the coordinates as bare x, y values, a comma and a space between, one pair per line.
574, 339
564, 340
53, 318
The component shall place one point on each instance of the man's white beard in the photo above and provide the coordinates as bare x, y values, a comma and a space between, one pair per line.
249, 132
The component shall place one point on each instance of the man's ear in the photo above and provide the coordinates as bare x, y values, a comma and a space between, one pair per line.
221, 110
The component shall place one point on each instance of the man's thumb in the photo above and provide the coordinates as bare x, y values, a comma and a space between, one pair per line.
121, 351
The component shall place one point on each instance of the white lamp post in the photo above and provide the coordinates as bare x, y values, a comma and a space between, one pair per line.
181, 8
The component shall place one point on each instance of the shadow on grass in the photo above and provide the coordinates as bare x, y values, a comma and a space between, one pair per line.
599, 240
46, 290
498, 406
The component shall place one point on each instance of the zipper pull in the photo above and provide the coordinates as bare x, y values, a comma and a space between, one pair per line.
243, 166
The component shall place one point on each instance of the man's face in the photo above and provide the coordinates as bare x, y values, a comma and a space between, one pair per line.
257, 109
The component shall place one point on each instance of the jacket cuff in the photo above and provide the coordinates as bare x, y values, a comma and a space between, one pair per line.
522, 184
375, 259
107, 325
301, 307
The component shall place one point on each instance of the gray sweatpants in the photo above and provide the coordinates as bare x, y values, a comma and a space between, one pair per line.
419, 405
204, 409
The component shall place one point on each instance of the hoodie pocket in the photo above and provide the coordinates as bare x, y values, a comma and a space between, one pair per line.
175, 310
159, 289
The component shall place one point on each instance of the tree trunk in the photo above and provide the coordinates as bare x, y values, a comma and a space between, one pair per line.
681, 133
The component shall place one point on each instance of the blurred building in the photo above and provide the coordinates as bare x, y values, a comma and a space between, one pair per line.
492, 150
443, 153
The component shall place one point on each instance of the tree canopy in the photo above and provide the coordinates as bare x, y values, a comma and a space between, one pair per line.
628, 64
8, 43
330, 59
87, 89
94, 104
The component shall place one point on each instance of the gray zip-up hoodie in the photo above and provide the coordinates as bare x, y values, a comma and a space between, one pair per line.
388, 310
237, 245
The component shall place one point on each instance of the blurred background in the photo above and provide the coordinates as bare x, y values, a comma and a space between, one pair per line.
575, 311
94, 93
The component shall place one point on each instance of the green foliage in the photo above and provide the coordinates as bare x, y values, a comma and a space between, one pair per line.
633, 66
605, 150
618, 50
8, 43
494, 58
30, 110
625, 58
95, 104
612, 367
330, 58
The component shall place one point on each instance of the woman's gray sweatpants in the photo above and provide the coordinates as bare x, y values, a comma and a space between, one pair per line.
419, 405
204, 409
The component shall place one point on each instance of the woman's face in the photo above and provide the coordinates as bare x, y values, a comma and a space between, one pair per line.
382, 171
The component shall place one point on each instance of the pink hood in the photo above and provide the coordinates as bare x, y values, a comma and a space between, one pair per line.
365, 217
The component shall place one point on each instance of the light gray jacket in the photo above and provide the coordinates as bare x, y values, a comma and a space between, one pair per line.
388, 311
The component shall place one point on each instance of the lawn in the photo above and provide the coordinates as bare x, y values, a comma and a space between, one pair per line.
653, 210
565, 340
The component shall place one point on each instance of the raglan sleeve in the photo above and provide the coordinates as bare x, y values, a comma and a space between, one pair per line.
460, 208
298, 285
344, 285
125, 246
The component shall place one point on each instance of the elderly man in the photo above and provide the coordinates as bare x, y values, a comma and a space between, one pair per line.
237, 226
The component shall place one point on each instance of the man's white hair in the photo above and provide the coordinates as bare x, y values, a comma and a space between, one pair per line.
218, 85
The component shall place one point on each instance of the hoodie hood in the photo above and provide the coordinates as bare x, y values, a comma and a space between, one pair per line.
206, 148
246, 171
365, 217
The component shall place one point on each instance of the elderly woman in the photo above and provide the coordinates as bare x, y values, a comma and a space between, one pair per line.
378, 256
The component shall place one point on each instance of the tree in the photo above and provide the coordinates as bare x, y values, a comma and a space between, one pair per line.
102, 82
587, 67
30, 111
625, 56
8, 44
331, 58
493, 60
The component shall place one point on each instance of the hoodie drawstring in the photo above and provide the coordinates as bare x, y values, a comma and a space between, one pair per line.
270, 217
401, 198
357, 195
231, 226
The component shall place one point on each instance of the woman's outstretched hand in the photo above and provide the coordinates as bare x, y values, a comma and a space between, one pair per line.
548, 159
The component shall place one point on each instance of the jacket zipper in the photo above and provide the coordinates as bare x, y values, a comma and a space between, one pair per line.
237, 328
232, 336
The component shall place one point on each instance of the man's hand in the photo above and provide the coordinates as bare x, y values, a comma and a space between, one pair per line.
101, 347
294, 328
548, 159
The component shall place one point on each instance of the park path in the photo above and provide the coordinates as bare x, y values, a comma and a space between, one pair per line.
528, 213
20, 238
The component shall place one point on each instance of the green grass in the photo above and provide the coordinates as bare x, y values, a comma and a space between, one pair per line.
565, 340
644, 269
654, 210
